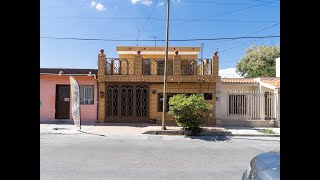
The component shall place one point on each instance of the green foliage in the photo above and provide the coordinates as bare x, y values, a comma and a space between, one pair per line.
189, 111
259, 62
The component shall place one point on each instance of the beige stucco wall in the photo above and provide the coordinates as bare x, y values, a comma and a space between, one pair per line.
238, 87
265, 89
180, 88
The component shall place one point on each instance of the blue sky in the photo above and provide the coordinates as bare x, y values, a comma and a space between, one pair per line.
98, 19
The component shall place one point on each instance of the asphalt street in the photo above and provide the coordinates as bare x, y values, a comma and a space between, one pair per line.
91, 156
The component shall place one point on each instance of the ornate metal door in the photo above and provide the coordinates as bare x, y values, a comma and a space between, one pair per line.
127, 103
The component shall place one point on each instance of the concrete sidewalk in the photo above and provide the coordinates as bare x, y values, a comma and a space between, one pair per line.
135, 129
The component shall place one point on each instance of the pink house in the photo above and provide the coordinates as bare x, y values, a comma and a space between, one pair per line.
55, 103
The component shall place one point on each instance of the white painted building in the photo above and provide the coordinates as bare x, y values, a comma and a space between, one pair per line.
251, 102
278, 67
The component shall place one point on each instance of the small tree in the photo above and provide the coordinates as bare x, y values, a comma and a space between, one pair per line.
189, 111
259, 61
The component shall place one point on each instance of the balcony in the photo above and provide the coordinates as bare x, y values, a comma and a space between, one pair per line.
152, 70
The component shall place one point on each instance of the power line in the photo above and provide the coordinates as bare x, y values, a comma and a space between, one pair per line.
274, 2
226, 3
240, 58
223, 13
149, 15
263, 29
235, 10
157, 19
251, 34
200, 39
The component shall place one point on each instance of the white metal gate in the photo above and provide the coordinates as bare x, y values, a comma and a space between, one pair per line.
249, 105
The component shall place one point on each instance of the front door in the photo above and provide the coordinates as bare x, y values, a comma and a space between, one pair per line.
62, 102
127, 103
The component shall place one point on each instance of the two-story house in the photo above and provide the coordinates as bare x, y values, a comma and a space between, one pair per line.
131, 86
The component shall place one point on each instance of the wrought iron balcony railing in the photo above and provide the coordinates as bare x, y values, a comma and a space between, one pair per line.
155, 66
190, 67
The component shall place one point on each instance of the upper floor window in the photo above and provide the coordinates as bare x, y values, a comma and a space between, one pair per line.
113, 67
160, 67
188, 67
146, 67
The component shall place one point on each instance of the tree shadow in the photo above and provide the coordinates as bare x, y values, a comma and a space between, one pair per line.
211, 138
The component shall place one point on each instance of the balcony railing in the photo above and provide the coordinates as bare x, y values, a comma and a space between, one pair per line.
156, 67
190, 67
151, 66
119, 66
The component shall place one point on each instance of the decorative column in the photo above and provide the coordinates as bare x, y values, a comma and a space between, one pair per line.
102, 86
177, 64
138, 63
215, 64
215, 80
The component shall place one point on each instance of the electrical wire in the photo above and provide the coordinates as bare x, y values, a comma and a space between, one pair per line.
200, 39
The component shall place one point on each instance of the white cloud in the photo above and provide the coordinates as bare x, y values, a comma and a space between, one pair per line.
161, 3
144, 2
100, 7
229, 73
134, 1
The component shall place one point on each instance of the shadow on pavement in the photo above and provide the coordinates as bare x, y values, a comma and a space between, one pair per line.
210, 138
92, 133
127, 124
91, 123
67, 122
256, 139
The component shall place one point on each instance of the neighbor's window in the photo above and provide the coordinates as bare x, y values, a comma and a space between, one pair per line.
86, 94
207, 96
146, 67
237, 104
160, 67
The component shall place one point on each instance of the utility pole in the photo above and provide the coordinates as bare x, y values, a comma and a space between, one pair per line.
202, 64
138, 37
155, 40
201, 50
165, 72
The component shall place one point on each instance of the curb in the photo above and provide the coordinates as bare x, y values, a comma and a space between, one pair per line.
258, 135
226, 133
168, 132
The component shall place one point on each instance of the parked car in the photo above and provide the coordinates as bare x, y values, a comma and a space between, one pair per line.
265, 166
